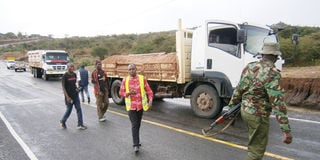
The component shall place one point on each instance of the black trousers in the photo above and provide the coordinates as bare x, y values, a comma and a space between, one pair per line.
135, 119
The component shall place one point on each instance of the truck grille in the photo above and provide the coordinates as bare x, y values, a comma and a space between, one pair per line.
59, 67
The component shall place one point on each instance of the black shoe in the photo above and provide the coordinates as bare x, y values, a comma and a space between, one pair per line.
136, 149
63, 125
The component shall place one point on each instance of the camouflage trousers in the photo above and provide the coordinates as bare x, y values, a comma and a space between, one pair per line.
258, 132
102, 101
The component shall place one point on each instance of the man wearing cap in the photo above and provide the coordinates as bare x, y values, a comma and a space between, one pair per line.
100, 89
259, 93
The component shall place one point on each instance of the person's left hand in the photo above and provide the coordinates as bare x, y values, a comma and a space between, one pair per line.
150, 105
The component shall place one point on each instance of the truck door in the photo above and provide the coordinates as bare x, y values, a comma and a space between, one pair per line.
223, 54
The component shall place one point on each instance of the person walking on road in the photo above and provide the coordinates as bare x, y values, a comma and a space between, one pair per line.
259, 93
71, 95
83, 81
134, 89
99, 79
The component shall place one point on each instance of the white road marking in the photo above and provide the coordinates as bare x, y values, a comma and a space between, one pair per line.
18, 139
304, 120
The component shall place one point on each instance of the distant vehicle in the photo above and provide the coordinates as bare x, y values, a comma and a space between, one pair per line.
20, 66
10, 64
48, 63
10, 58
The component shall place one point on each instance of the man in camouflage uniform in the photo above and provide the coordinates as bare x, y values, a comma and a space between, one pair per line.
259, 93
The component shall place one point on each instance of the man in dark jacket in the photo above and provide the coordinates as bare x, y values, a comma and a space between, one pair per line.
83, 81
71, 95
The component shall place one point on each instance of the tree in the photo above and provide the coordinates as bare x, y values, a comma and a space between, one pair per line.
19, 35
99, 52
10, 35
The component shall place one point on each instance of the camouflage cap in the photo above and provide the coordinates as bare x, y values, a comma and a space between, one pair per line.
271, 48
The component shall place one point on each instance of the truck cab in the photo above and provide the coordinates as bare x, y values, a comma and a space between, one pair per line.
220, 50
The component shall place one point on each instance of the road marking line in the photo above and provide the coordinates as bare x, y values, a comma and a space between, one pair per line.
203, 137
304, 120
18, 139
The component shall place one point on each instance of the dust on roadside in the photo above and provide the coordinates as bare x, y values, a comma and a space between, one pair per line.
302, 109
301, 72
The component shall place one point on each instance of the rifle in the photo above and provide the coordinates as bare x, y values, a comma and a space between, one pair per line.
233, 111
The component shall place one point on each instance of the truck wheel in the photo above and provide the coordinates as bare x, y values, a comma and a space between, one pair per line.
45, 76
115, 88
34, 73
39, 73
205, 102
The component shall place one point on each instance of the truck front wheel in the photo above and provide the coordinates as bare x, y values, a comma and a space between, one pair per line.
45, 76
115, 88
205, 102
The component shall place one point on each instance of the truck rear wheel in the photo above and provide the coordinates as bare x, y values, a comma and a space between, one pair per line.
34, 71
205, 102
115, 88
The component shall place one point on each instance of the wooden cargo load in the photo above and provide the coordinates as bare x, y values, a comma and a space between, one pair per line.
154, 66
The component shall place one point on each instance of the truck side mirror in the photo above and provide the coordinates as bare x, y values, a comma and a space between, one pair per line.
241, 36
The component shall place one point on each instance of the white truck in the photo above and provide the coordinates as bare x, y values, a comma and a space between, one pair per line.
48, 63
206, 66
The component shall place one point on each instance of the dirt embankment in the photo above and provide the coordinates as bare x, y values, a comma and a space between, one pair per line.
302, 86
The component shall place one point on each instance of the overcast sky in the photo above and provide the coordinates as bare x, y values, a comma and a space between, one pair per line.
62, 18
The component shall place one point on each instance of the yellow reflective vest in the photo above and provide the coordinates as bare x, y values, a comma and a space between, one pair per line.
145, 104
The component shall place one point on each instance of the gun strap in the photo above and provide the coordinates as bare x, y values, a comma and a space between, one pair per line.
225, 127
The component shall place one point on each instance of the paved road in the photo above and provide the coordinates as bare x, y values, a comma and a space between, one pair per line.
32, 109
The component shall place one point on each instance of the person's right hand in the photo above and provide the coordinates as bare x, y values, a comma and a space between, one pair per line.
133, 92
69, 100
287, 137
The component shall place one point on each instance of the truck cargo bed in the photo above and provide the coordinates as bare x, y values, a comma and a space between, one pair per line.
154, 66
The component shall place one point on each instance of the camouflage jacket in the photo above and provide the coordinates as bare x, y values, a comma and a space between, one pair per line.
260, 93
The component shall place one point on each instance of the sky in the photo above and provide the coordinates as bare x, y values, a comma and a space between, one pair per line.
67, 18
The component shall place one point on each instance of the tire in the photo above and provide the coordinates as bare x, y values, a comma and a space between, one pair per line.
205, 102
45, 76
34, 72
39, 74
115, 88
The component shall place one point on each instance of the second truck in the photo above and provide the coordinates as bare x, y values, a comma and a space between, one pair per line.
48, 63
206, 66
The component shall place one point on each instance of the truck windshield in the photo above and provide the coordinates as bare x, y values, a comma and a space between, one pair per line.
256, 36
57, 56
